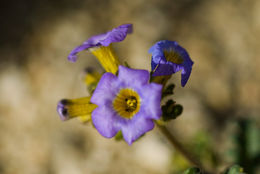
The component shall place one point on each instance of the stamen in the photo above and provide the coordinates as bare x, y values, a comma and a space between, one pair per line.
131, 104
127, 103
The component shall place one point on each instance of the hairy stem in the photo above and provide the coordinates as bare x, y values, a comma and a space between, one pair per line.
178, 146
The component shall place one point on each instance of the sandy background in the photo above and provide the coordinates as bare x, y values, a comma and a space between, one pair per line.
222, 37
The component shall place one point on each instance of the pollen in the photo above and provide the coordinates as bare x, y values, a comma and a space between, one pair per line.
173, 56
127, 103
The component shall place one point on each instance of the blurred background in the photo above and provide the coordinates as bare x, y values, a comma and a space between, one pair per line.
221, 101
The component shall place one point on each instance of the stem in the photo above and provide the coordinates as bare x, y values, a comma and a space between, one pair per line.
178, 146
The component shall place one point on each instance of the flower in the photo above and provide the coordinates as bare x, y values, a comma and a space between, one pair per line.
126, 102
169, 57
100, 46
80, 107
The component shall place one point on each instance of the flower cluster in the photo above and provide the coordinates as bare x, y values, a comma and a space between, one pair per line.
123, 99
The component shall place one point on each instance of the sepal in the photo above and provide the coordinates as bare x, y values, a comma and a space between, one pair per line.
168, 90
171, 110
119, 136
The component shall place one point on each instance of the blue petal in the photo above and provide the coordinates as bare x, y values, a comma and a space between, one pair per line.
165, 69
104, 120
134, 129
185, 74
95, 40
106, 90
118, 34
73, 54
151, 101
133, 76
62, 111
162, 67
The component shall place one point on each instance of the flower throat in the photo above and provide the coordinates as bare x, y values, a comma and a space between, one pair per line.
127, 103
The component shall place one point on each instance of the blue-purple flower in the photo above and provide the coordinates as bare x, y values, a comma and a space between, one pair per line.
100, 46
126, 102
169, 57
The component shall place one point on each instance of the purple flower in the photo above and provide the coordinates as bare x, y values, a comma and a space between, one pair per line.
118, 34
169, 57
126, 102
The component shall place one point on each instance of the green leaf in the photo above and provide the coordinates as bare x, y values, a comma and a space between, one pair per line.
119, 136
235, 169
193, 170
202, 147
246, 149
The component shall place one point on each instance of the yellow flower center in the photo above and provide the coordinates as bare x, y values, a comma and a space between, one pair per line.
127, 103
173, 56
